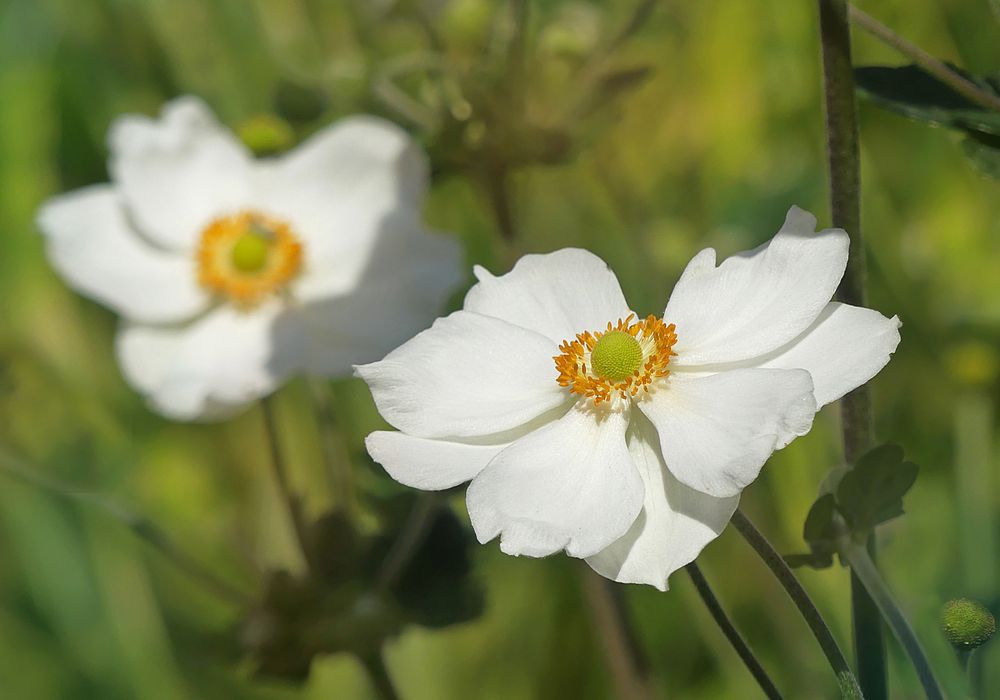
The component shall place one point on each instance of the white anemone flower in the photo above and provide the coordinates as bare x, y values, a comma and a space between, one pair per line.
232, 274
625, 441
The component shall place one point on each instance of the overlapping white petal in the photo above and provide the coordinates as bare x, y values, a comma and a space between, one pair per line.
569, 485
407, 279
675, 524
90, 242
717, 431
844, 348
431, 465
758, 301
343, 190
179, 172
210, 368
557, 295
467, 375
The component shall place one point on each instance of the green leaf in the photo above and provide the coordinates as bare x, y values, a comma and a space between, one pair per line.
820, 534
912, 92
872, 492
819, 528
984, 152
815, 560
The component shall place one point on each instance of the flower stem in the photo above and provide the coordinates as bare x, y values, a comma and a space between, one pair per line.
335, 454
411, 536
732, 634
845, 676
855, 407
939, 69
291, 500
141, 526
864, 568
628, 665
378, 672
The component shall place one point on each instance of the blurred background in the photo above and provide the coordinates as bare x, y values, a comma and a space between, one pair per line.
643, 131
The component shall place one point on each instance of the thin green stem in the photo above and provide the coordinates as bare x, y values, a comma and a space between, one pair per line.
141, 526
939, 69
968, 663
292, 502
845, 195
335, 454
378, 672
732, 634
769, 555
866, 571
411, 536
626, 662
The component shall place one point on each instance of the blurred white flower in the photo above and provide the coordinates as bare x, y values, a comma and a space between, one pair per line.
632, 449
232, 274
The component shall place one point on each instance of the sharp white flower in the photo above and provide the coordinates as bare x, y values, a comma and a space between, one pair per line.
232, 274
622, 440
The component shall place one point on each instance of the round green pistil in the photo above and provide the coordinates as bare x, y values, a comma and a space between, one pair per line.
616, 355
251, 251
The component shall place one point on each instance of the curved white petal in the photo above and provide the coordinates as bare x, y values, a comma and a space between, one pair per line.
557, 294
211, 368
401, 290
466, 375
756, 301
675, 524
843, 349
90, 242
569, 485
431, 465
717, 431
178, 172
338, 188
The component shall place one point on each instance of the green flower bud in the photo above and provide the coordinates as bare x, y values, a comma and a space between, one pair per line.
266, 134
967, 624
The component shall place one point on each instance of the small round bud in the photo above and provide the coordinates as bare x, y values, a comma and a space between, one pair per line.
266, 134
967, 624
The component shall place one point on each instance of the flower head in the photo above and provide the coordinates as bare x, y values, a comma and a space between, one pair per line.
624, 441
232, 274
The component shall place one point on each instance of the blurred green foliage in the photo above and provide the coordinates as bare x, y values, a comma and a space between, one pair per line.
698, 128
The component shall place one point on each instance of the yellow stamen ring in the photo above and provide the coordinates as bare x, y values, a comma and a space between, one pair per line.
622, 360
247, 257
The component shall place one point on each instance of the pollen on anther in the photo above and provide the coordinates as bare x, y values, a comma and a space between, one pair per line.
247, 257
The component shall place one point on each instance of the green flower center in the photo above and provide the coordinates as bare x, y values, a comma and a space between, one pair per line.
616, 356
251, 251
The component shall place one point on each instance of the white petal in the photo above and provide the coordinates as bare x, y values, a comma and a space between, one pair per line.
90, 242
431, 465
569, 485
842, 350
179, 172
403, 288
338, 189
211, 368
467, 375
756, 301
717, 431
675, 524
558, 294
